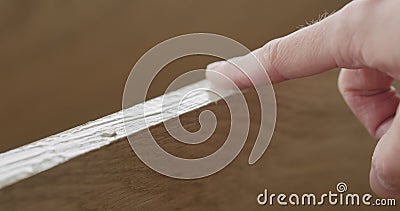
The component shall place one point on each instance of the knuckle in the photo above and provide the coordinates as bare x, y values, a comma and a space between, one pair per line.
351, 24
271, 54
360, 6
270, 58
356, 16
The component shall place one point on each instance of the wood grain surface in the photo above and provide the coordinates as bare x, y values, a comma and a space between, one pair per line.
64, 63
316, 145
44, 154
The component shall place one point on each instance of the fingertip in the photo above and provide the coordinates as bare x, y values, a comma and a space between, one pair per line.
216, 75
385, 171
226, 75
382, 187
214, 65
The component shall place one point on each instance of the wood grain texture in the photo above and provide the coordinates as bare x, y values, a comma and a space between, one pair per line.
65, 63
44, 154
317, 142
307, 154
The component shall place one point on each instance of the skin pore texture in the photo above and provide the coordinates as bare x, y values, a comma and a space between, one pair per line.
362, 39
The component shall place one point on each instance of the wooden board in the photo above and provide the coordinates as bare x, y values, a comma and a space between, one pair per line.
65, 63
44, 154
48, 55
310, 157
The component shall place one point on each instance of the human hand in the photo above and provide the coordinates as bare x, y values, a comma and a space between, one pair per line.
362, 39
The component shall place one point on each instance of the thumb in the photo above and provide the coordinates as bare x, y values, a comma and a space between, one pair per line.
385, 170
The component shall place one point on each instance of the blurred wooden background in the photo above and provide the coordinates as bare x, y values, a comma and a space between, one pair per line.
64, 63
